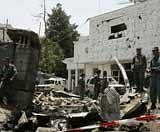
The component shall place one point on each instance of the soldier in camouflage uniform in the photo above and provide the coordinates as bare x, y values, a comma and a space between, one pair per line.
8, 74
81, 84
139, 67
155, 77
97, 84
104, 81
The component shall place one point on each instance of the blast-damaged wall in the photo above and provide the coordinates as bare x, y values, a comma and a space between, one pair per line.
24, 52
120, 32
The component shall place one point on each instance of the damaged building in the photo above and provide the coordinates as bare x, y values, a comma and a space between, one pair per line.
117, 33
23, 48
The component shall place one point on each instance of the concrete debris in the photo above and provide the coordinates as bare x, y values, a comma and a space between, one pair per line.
136, 110
59, 124
76, 120
4, 115
140, 127
64, 94
62, 111
23, 119
48, 102
44, 129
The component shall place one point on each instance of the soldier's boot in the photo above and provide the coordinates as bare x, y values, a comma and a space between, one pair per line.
5, 101
137, 90
153, 106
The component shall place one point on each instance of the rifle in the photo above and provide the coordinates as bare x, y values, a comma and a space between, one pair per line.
1, 83
155, 68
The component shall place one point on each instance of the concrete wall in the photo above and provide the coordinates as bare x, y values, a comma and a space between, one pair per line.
143, 30
97, 50
4, 36
81, 50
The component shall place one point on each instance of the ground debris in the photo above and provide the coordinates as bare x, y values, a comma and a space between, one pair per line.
44, 129
69, 102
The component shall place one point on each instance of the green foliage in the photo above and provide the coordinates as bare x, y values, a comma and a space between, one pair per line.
60, 30
50, 54
58, 44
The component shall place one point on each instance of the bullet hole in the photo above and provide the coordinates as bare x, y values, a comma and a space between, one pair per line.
127, 39
107, 20
140, 17
138, 37
97, 25
129, 46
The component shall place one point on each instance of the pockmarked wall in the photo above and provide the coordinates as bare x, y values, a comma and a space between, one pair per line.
120, 32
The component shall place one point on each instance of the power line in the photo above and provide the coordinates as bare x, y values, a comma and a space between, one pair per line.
79, 27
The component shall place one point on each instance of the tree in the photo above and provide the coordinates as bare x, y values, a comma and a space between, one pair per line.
51, 56
60, 30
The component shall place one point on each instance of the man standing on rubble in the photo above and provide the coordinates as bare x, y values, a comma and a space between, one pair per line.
155, 77
97, 84
8, 74
81, 84
139, 67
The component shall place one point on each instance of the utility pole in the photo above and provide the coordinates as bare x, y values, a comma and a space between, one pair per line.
99, 5
7, 23
39, 32
44, 16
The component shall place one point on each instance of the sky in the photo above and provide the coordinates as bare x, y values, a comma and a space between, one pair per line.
22, 13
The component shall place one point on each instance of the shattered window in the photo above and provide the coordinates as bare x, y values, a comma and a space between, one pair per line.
117, 31
118, 28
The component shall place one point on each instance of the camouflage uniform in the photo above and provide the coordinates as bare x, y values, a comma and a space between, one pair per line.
7, 73
97, 86
155, 80
81, 84
139, 67
104, 82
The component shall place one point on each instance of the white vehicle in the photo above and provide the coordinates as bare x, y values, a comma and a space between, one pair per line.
112, 83
53, 83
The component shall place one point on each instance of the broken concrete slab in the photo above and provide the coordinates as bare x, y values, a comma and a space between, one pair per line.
44, 129
47, 102
4, 114
64, 94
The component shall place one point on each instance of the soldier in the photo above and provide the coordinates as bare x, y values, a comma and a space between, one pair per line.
155, 77
97, 84
81, 84
8, 73
104, 82
139, 67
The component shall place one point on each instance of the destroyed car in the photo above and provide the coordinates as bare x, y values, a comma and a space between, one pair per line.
52, 83
121, 89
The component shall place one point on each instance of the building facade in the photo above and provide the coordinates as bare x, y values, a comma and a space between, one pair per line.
118, 34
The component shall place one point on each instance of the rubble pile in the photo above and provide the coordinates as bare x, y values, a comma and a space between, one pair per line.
53, 108
4, 115
48, 102
61, 111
